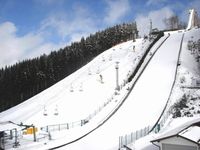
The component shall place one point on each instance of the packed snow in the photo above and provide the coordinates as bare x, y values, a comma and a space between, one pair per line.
79, 95
187, 75
145, 102
86, 106
192, 133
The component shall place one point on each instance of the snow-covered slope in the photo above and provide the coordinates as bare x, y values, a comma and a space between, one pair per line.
145, 102
79, 95
90, 93
187, 75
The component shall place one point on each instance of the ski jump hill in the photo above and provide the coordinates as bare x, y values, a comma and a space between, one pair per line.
122, 90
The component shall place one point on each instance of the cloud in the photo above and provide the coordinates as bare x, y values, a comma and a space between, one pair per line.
182, 9
196, 5
15, 48
143, 20
55, 32
70, 28
155, 2
116, 10
7, 42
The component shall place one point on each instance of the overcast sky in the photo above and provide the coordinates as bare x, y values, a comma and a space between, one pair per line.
29, 28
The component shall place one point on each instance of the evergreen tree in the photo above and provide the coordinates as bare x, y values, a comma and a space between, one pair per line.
29, 77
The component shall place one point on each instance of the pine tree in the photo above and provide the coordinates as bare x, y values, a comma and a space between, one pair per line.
27, 78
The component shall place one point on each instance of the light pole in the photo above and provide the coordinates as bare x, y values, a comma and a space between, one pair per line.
117, 75
150, 30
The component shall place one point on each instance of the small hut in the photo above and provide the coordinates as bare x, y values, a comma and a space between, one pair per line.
185, 137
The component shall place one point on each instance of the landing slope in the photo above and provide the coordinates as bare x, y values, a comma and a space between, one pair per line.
144, 104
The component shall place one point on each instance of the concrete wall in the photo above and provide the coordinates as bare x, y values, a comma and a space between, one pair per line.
177, 147
176, 141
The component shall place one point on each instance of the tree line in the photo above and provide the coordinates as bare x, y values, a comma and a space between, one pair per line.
27, 78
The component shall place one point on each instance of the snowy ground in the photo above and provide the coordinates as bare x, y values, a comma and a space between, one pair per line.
79, 95
145, 103
84, 94
187, 75
128, 117
82, 83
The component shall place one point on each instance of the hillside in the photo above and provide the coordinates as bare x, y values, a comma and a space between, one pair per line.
82, 93
183, 104
29, 77
75, 98
131, 90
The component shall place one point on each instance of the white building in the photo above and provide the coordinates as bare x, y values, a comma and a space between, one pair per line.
185, 137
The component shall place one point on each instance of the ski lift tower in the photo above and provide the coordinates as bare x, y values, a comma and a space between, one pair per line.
150, 29
117, 76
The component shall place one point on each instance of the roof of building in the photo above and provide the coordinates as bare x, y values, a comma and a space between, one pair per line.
189, 131
8, 125
192, 133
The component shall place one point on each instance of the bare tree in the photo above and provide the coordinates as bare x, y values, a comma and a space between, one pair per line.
198, 21
182, 25
172, 22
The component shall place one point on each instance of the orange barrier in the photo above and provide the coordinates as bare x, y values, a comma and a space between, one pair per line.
30, 131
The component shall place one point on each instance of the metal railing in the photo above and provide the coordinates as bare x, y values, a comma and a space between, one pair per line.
133, 136
64, 126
